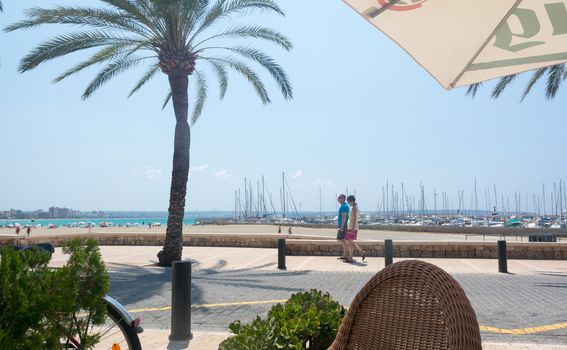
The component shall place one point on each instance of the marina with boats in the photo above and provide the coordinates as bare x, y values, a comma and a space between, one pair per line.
254, 203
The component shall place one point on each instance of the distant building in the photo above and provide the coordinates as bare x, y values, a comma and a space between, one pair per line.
43, 215
59, 213
51, 213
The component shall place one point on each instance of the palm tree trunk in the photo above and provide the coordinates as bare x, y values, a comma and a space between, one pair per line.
173, 246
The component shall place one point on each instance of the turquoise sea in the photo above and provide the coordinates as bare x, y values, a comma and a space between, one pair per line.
94, 222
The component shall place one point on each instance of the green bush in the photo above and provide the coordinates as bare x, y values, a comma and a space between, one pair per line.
40, 306
25, 299
307, 320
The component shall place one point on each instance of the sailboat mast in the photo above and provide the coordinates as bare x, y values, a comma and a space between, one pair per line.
264, 210
284, 196
403, 200
320, 202
245, 198
475, 199
561, 199
387, 202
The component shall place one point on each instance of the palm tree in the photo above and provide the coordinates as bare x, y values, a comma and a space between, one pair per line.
556, 75
172, 35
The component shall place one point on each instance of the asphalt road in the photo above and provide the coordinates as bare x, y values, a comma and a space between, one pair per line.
534, 304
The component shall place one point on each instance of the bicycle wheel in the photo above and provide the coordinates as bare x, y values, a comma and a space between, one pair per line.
129, 332
119, 331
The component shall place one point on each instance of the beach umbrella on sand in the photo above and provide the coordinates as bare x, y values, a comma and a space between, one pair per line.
461, 42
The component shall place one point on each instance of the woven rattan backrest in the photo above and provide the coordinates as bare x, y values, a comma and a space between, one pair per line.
410, 305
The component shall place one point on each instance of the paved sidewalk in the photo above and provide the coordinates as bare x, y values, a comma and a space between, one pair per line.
266, 260
157, 339
363, 234
514, 310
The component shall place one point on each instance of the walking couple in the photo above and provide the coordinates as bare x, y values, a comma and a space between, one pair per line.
348, 228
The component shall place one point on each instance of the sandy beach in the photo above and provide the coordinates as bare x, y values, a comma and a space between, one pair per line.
263, 230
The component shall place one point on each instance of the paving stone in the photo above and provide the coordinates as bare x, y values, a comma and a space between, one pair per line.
500, 300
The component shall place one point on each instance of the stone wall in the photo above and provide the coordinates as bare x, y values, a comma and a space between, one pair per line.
305, 245
477, 230
495, 231
404, 249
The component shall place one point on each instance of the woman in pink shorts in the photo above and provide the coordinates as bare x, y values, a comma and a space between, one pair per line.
352, 230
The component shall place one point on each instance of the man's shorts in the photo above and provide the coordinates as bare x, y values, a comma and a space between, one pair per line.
340, 235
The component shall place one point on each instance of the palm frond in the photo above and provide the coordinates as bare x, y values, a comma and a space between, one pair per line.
222, 76
192, 13
68, 43
135, 9
202, 90
166, 19
533, 80
224, 8
473, 89
557, 74
105, 54
502, 84
122, 29
554, 79
167, 99
145, 78
270, 65
247, 73
111, 70
1, 8
254, 32
149, 10
96, 18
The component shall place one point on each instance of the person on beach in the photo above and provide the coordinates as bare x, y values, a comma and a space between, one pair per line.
18, 230
279, 229
352, 231
289, 230
28, 231
341, 225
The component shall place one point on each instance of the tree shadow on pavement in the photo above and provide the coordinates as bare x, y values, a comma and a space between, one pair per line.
357, 263
552, 274
150, 286
178, 345
133, 284
552, 285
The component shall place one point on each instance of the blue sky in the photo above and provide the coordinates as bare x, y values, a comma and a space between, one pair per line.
363, 112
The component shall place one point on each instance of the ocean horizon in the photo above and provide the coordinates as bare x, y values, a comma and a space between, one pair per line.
97, 222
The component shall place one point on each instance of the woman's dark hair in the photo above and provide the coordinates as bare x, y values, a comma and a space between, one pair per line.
351, 199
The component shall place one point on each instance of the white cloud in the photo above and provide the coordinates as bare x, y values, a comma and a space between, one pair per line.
223, 174
149, 173
325, 182
298, 174
200, 168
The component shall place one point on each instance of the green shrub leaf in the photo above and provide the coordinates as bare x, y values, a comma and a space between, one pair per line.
307, 320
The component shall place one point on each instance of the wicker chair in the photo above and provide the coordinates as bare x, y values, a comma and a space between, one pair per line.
410, 305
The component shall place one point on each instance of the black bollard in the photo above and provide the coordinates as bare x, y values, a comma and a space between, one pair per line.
281, 254
502, 260
181, 302
389, 252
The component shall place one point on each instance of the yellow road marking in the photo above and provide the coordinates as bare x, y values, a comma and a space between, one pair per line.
524, 331
207, 306
519, 331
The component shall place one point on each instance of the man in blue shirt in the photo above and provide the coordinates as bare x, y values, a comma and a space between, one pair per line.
342, 224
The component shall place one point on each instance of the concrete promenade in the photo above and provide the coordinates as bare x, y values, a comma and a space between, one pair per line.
310, 242
364, 234
526, 309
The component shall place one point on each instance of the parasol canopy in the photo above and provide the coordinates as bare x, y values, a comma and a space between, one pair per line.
461, 42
